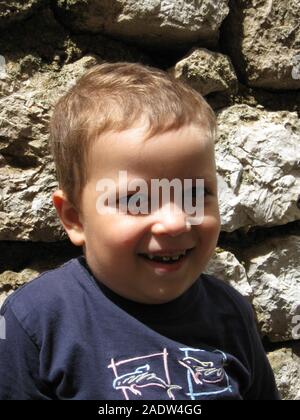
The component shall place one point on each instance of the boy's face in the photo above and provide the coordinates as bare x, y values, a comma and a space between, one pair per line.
114, 242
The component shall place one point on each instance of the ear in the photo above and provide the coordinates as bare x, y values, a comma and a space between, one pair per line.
69, 217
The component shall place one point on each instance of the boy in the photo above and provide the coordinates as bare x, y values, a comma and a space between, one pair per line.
134, 317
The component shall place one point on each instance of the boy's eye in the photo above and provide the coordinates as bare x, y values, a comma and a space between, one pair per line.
195, 191
142, 201
139, 199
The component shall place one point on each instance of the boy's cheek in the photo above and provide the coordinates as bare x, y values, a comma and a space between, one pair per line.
116, 234
211, 225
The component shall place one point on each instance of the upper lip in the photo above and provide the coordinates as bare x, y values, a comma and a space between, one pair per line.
167, 252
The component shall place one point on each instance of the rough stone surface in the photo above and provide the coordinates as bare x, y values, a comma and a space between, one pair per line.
273, 272
263, 39
11, 11
10, 281
25, 53
26, 211
148, 22
22, 261
257, 154
286, 367
225, 266
207, 72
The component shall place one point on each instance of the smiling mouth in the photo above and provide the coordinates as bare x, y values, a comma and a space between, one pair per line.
167, 259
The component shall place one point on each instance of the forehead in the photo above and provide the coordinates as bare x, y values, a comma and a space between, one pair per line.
183, 150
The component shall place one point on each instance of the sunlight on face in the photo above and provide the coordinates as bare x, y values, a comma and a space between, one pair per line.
119, 246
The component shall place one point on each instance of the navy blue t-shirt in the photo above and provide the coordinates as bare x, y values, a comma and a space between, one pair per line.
70, 337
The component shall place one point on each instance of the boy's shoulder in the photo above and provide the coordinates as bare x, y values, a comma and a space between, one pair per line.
225, 297
45, 292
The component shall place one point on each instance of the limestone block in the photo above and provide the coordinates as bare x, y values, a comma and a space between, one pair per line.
263, 39
273, 273
257, 156
286, 366
157, 23
207, 72
27, 175
225, 266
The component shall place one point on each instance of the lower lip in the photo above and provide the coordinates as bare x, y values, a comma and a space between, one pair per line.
167, 268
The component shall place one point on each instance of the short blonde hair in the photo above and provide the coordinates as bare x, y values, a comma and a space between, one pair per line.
114, 97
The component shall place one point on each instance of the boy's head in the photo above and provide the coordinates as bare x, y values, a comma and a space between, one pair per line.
141, 121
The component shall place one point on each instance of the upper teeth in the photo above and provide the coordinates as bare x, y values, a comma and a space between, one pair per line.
166, 257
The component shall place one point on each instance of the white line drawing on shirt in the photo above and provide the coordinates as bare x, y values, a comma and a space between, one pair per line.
215, 372
141, 377
203, 372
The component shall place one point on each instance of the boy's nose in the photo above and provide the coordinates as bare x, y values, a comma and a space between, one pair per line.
170, 221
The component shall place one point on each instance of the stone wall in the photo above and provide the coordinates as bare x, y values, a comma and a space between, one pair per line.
244, 57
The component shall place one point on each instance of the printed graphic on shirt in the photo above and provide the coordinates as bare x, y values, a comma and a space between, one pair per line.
206, 375
141, 373
201, 374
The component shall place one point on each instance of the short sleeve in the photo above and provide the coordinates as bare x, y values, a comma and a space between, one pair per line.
19, 361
